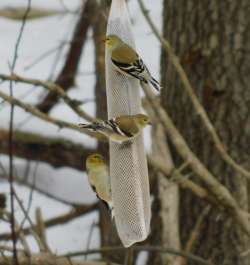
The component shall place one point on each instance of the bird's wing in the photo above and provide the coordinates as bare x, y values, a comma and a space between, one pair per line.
127, 125
108, 128
116, 128
124, 54
99, 180
102, 126
129, 62
107, 203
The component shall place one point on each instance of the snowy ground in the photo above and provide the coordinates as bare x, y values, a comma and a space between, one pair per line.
39, 37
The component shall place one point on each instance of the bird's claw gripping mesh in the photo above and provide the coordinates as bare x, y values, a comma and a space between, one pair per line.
128, 165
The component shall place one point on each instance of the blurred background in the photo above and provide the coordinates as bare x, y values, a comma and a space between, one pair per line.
200, 190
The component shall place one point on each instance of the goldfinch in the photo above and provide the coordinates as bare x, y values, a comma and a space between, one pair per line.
99, 178
128, 62
120, 129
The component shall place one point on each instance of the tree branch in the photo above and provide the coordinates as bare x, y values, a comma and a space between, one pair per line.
40, 229
62, 219
171, 251
58, 152
12, 106
194, 235
181, 180
53, 88
40, 244
67, 75
190, 91
17, 13
48, 259
218, 190
46, 117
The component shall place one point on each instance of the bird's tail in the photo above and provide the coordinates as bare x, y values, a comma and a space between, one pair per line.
109, 205
94, 126
111, 208
155, 83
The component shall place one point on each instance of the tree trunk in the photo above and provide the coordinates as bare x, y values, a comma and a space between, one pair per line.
165, 215
210, 38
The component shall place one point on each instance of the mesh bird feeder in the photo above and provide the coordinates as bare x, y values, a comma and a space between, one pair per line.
128, 165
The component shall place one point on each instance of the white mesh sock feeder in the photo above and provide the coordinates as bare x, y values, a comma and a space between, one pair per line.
128, 165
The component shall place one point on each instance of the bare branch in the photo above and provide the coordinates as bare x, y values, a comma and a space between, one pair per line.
218, 190
17, 13
43, 192
61, 152
54, 88
195, 232
40, 228
58, 152
190, 91
171, 251
46, 117
12, 106
22, 238
46, 259
184, 182
10, 249
67, 75
62, 219
42, 247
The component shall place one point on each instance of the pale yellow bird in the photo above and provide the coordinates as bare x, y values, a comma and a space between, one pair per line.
99, 178
128, 62
120, 129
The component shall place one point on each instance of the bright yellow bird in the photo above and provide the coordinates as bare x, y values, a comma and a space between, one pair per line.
120, 129
128, 62
99, 178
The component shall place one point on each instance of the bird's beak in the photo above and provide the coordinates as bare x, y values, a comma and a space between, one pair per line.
103, 40
150, 123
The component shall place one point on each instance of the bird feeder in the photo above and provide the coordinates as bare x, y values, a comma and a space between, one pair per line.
128, 164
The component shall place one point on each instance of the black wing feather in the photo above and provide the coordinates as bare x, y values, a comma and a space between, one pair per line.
134, 69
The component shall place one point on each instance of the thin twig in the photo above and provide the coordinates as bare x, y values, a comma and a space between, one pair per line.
44, 55
190, 91
221, 193
7, 262
50, 86
3, 169
23, 240
43, 192
171, 251
129, 257
89, 237
25, 178
58, 152
10, 249
20, 234
61, 219
46, 117
32, 226
195, 232
14, 239
176, 172
40, 228
49, 259
182, 180
245, 253
67, 74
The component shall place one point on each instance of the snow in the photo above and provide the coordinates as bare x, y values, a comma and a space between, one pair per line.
39, 37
